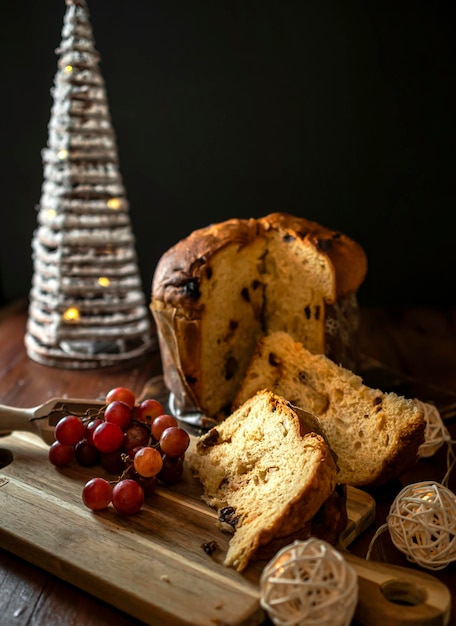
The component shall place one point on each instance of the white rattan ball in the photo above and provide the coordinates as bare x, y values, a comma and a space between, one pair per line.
436, 433
307, 583
422, 524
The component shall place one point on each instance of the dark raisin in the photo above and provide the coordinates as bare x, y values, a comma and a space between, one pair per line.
227, 516
210, 439
191, 289
303, 376
245, 294
307, 312
288, 237
255, 284
209, 547
273, 359
230, 367
233, 324
208, 272
377, 400
225, 512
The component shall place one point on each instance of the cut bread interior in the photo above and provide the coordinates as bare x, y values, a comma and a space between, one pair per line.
375, 435
265, 471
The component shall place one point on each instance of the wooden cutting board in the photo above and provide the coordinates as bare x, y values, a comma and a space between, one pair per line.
151, 565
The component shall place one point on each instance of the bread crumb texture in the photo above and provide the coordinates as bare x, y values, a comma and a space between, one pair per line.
375, 435
265, 474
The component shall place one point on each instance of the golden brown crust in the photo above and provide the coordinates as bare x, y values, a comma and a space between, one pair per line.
179, 269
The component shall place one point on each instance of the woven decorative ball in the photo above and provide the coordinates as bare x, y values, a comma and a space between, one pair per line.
422, 524
436, 433
307, 583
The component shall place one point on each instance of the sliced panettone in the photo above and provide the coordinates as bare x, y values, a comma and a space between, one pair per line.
266, 472
375, 435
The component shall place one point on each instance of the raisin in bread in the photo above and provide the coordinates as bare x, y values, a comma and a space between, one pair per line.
266, 473
375, 435
216, 291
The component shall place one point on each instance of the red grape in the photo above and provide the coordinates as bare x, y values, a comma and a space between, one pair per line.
174, 441
148, 461
112, 462
135, 436
141, 444
149, 485
148, 410
86, 454
107, 437
118, 413
69, 430
123, 394
161, 423
127, 496
97, 494
90, 427
172, 470
132, 451
60, 455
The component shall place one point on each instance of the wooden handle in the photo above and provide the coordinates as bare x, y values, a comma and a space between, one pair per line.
12, 418
33, 420
398, 596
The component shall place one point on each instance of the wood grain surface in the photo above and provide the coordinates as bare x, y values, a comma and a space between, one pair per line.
151, 565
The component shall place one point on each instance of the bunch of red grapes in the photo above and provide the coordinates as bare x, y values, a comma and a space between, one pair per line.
140, 443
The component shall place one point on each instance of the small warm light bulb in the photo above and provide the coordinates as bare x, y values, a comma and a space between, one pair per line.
68, 69
71, 314
51, 213
62, 154
103, 281
114, 203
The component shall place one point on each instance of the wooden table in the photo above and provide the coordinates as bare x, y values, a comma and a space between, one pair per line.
411, 351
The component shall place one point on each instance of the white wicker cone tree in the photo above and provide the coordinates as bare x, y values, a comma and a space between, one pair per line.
87, 307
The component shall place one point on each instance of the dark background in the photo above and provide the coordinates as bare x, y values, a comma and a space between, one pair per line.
342, 112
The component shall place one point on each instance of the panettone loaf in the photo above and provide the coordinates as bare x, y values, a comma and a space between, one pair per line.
375, 435
216, 291
266, 473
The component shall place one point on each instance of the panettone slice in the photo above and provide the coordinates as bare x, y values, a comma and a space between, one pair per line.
375, 435
266, 472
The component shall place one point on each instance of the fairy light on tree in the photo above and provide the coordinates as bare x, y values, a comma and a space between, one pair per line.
87, 307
